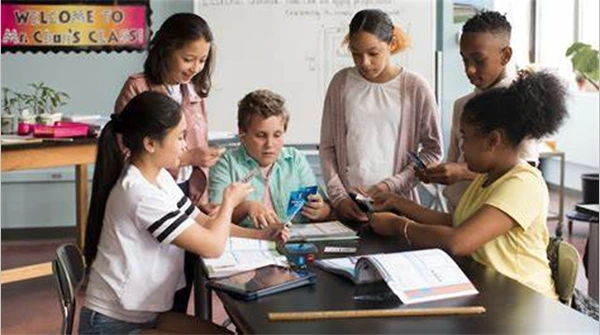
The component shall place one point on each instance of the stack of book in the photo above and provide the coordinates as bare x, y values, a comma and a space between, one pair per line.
324, 231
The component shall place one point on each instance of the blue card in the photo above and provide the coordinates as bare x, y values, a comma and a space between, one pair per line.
297, 200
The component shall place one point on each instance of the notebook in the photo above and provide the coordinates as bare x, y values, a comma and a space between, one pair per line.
243, 254
413, 276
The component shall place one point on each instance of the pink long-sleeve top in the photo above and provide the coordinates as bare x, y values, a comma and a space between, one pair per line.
419, 126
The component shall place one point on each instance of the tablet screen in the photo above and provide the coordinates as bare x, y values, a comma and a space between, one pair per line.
259, 279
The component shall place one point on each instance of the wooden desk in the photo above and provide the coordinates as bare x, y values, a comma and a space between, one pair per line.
511, 307
29, 156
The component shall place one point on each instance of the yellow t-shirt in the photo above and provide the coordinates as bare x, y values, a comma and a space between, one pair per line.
520, 253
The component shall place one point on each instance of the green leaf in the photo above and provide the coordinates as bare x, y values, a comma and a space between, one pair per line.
584, 60
575, 47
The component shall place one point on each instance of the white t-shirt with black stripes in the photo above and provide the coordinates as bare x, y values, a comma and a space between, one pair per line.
137, 270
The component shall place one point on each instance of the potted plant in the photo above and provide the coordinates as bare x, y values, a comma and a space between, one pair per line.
585, 63
9, 103
46, 101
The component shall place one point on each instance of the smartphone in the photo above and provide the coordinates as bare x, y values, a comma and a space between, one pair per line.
417, 160
364, 203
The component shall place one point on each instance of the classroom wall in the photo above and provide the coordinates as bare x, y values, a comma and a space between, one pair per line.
579, 139
45, 198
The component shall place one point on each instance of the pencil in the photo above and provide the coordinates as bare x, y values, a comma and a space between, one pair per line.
375, 313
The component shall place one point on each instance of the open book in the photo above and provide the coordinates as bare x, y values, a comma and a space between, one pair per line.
324, 231
414, 276
243, 254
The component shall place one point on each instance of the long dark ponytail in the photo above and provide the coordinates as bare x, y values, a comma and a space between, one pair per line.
149, 114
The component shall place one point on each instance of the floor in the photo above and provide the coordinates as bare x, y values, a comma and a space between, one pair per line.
31, 307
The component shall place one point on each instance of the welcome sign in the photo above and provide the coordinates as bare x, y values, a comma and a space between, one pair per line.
75, 26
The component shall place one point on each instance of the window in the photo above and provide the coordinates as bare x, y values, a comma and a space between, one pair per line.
588, 22
519, 14
560, 23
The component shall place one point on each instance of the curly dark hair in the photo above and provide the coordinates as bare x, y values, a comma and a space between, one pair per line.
532, 107
263, 103
489, 22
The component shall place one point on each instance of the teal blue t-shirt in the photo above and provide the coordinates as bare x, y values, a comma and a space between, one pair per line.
290, 171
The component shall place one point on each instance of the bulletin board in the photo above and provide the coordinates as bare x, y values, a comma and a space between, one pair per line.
67, 26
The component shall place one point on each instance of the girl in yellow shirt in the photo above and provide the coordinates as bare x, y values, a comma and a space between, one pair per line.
500, 220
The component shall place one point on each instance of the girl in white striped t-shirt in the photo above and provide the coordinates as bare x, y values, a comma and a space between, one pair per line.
140, 222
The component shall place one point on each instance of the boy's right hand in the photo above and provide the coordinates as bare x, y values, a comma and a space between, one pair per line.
348, 211
261, 216
235, 193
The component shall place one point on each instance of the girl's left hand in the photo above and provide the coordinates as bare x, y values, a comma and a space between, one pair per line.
275, 232
315, 208
386, 224
385, 202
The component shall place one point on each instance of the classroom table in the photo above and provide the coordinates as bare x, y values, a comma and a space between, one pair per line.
49, 154
590, 213
511, 307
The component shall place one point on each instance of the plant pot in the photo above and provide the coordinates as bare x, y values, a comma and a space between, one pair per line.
8, 124
24, 129
589, 188
25, 122
49, 119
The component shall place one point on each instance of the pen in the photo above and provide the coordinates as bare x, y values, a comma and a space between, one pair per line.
58, 139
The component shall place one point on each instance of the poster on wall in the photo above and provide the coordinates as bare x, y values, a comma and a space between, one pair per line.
75, 26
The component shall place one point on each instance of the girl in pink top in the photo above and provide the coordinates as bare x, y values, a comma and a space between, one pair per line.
179, 64
374, 114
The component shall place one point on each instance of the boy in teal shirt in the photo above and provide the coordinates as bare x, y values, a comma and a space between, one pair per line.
262, 123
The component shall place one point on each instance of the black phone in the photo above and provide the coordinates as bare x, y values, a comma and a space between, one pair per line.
417, 160
251, 285
364, 203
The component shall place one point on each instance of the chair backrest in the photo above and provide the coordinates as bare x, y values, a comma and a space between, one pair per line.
564, 263
568, 263
69, 271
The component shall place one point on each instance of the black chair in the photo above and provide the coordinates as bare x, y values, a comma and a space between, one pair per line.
69, 270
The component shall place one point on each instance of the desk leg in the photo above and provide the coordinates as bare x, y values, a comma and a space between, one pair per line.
593, 261
202, 294
81, 200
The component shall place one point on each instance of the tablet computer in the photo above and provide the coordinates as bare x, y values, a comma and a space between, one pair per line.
263, 281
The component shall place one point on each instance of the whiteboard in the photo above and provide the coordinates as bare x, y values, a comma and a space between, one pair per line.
294, 47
